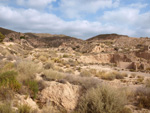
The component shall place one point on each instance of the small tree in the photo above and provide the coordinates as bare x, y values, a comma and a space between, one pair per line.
1, 37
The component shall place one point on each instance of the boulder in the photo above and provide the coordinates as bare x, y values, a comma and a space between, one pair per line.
63, 95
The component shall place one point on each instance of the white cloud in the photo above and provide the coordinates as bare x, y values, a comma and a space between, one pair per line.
76, 8
31, 20
38, 4
129, 18
126, 20
121, 16
138, 5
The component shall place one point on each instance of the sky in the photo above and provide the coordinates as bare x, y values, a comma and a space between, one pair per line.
77, 18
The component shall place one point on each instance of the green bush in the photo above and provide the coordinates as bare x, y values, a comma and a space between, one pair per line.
102, 99
33, 87
24, 109
22, 37
1, 37
8, 80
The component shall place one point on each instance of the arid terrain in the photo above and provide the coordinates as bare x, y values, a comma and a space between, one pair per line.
45, 73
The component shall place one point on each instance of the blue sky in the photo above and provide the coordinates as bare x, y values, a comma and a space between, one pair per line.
78, 18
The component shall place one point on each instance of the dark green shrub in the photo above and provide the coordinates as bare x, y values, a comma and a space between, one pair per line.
33, 87
8, 80
1, 37
22, 37
11, 39
102, 99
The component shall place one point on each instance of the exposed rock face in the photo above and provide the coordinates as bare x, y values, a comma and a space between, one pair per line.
26, 44
65, 95
99, 58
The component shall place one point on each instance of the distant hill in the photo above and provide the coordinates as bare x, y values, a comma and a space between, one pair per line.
106, 37
50, 40
5, 31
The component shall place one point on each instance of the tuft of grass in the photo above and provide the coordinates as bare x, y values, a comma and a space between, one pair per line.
102, 99
50, 108
53, 75
85, 73
110, 75
147, 83
43, 58
49, 65
6, 94
8, 80
24, 109
33, 87
27, 70
143, 98
7, 67
1, 37
6, 108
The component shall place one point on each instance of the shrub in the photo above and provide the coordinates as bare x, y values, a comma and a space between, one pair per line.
7, 67
53, 109
49, 65
108, 76
33, 87
111, 75
102, 99
27, 70
85, 73
24, 109
43, 58
6, 108
11, 39
53, 75
143, 98
65, 56
85, 82
147, 83
22, 37
6, 94
1, 37
8, 80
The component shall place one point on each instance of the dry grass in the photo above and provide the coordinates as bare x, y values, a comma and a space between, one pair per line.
102, 99
24, 109
143, 99
111, 75
85, 73
147, 83
27, 70
85, 82
7, 67
43, 58
53, 75
52, 109
6, 108
49, 65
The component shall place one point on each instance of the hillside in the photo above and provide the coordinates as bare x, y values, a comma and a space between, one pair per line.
5, 31
45, 73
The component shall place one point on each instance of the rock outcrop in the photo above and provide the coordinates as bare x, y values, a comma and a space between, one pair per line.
64, 95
